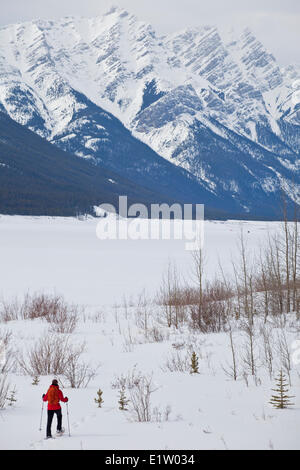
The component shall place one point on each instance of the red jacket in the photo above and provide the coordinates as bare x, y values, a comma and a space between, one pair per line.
53, 397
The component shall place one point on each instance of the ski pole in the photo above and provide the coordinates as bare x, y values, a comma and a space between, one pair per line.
68, 418
41, 416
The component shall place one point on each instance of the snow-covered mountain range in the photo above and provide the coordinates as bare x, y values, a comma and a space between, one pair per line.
213, 102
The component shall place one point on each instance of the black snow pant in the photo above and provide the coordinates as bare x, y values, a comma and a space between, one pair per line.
50, 418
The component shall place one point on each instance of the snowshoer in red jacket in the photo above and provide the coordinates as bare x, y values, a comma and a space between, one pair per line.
53, 397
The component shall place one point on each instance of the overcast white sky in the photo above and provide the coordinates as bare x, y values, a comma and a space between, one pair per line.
275, 22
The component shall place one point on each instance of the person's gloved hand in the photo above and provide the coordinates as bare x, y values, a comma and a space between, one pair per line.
43, 395
67, 399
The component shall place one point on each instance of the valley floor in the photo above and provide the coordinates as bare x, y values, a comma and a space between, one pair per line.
208, 410
64, 255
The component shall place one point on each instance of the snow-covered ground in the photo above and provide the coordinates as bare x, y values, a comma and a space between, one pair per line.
208, 410
64, 255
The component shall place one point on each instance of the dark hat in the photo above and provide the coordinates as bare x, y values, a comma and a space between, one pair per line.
54, 382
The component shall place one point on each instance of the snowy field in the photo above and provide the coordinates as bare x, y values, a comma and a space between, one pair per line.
189, 411
64, 255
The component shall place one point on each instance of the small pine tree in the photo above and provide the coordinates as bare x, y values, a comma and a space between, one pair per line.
36, 380
194, 363
99, 399
12, 398
123, 402
281, 400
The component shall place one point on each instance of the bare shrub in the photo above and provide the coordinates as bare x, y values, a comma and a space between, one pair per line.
5, 336
39, 306
49, 355
249, 356
178, 345
284, 351
246, 275
143, 313
2, 356
140, 399
98, 317
130, 380
176, 362
78, 373
7, 360
128, 340
232, 370
205, 307
140, 388
161, 415
9, 311
279, 277
211, 308
172, 297
53, 308
125, 305
156, 335
267, 348
210, 317
62, 316
4, 389
55, 355
65, 320
211, 304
